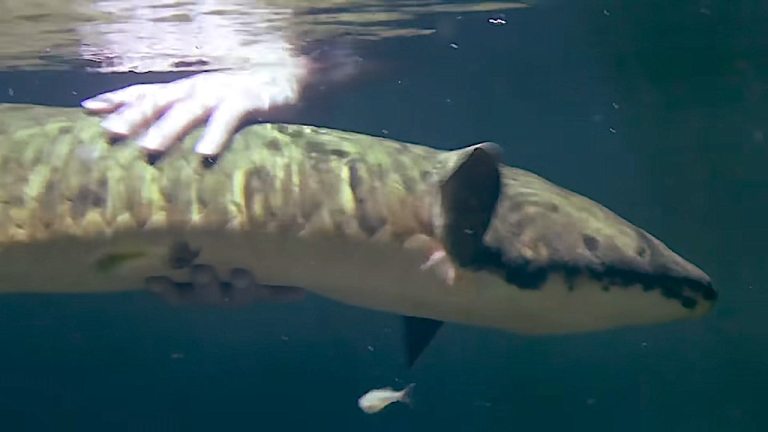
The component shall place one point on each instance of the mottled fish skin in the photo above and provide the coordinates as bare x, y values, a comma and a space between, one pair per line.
331, 211
63, 178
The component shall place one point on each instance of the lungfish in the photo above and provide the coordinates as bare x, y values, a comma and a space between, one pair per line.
434, 236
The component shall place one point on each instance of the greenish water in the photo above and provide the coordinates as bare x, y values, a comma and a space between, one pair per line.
656, 110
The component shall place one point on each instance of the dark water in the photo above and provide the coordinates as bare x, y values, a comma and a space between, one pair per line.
656, 109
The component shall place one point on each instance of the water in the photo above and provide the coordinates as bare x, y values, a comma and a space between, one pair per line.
656, 110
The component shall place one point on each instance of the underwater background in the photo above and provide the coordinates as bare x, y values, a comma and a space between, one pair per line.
656, 109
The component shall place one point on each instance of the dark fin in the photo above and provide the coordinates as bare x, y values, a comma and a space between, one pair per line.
469, 197
418, 332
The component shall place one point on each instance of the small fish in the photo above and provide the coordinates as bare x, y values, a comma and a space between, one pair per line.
377, 399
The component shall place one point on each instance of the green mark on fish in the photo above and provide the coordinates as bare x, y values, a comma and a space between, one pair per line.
112, 261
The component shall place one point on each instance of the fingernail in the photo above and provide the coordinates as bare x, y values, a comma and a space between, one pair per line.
94, 104
114, 127
207, 147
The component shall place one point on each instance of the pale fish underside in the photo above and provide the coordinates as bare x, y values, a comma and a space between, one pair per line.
343, 215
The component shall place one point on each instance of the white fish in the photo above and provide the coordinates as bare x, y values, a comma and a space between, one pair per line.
377, 399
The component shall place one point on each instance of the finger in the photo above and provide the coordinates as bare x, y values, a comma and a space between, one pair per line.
109, 102
138, 113
221, 126
174, 125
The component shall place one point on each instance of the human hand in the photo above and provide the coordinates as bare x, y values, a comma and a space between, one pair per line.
167, 112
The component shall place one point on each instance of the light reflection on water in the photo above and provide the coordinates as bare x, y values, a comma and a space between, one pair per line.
166, 35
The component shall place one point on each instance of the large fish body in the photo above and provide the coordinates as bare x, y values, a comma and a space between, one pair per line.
343, 215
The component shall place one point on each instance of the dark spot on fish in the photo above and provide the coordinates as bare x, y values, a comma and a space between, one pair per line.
181, 255
259, 179
688, 302
606, 288
369, 218
525, 278
88, 197
590, 242
291, 131
409, 183
339, 153
35, 17
315, 147
354, 177
672, 291
274, 145
48, 202
641, 251
551, 207
515, 206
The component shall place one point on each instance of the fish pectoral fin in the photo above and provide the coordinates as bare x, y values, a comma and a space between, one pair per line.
436, 259
418, 333
203, 285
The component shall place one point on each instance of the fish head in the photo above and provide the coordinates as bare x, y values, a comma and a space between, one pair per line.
568, 263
